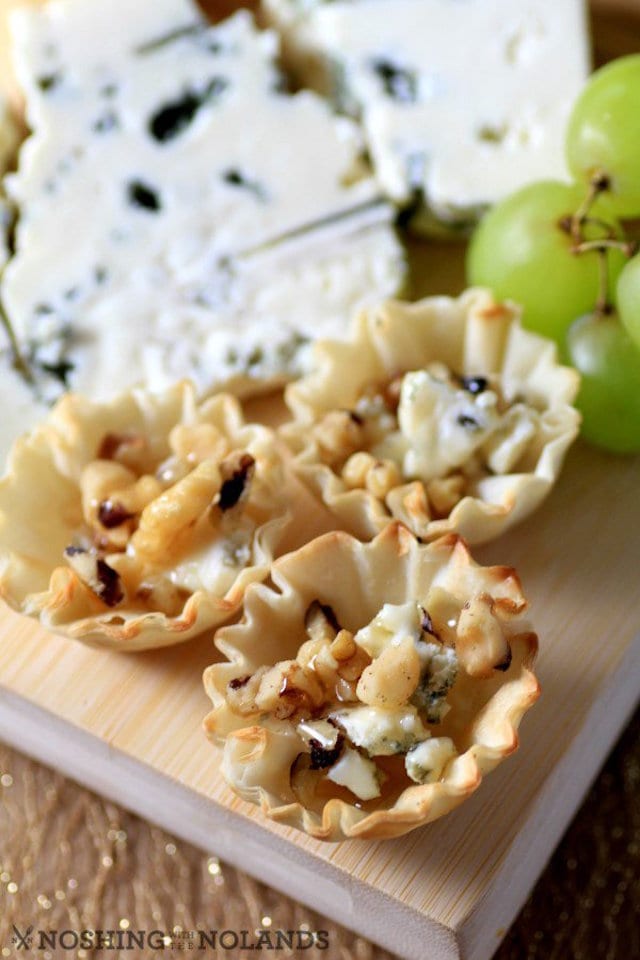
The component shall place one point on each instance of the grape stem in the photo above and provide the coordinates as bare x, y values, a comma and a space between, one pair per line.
604, 307
598, 184
628, 247
19, 362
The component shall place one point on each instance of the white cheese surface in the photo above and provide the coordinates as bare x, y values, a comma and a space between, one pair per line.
462, 100
165, 170
425, 762
441, 425
390, 627
381, 732
444, 427
356, 773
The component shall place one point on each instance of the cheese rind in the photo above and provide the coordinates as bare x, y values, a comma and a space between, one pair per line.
461, 103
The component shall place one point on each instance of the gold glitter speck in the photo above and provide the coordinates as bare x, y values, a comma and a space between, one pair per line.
107, 862
213, 866
124, 924
12, 887
170, 849
6, 780
266, 921
5, 877
72, 883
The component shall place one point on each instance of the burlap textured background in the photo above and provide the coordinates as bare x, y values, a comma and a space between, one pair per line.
70, 860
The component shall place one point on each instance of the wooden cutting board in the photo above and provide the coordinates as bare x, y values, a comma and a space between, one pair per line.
130, 727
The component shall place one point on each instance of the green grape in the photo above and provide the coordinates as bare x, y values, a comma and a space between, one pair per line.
628, 297
522, 250
603, 134
609, 398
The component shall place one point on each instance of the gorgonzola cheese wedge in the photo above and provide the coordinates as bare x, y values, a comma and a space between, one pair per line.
462, 102
166, 171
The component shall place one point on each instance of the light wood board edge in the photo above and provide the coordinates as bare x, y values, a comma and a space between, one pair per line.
201, 821
361, 907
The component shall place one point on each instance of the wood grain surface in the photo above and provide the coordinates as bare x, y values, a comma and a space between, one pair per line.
130, 726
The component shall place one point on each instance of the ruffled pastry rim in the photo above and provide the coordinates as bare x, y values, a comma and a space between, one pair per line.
417, 805
52, 442
485, 334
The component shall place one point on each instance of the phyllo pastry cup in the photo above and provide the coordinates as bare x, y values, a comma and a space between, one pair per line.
444, 414
369, 690
140, 522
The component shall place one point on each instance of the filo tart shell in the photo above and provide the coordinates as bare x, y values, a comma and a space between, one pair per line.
41, 513
356, 579
473, 336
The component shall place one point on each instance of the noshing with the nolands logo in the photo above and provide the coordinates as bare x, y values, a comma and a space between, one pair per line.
259, 939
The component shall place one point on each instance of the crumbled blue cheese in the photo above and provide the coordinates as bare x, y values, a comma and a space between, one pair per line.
357, 773
164, 196
390, 627
441, 425
438, 662
447, 424
381, 732
503, 450
439, 671
461, 103
425, 762
214, 567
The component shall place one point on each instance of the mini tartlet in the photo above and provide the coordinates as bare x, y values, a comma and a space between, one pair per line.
444, 414
369, 690
139, 522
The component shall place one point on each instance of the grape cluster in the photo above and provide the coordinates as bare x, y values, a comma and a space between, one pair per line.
566, 253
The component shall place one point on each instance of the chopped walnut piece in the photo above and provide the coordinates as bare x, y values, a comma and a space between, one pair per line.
323, 757
392, 677
444, 493
382, 477
242, 691
391, 393
112, 513
96, 574
481, 645
356, 469
339, 434
173, 514
237, 472
287, 689
130, 449
344, 646
320, 622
